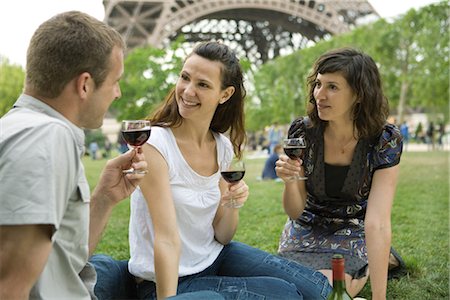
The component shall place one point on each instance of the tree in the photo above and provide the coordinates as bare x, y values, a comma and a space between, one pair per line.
149, 75
412, 54
415, 51
430, 80
11, 84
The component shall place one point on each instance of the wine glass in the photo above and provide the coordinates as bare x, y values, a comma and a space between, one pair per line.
135, 133
294, 148
232, 172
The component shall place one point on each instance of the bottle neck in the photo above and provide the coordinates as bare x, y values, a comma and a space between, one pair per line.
338, 274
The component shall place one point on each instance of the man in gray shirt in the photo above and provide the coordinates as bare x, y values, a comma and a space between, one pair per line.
49, 222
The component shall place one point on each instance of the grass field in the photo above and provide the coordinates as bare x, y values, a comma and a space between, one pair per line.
420, 221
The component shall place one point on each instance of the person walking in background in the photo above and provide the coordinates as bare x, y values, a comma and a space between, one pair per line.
108, 147
274, 136
441, 134
93, 148
181, 224
351, 162
419, 135
430, 136
262, 145
49, 222
404, 131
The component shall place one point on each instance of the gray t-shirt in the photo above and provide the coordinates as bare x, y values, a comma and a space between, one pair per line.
42, 181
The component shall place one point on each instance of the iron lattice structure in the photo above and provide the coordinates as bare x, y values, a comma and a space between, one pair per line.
261, 29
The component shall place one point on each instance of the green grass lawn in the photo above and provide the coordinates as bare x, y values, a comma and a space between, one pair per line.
420, 220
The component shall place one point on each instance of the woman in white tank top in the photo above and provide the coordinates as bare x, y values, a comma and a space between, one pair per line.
180, 234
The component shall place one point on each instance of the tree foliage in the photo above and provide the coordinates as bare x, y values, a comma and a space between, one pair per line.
412, 53
11, 84
415, 53
149, 75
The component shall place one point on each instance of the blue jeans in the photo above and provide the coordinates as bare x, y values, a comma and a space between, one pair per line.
114, 281
239, 272
244, 272
199, 295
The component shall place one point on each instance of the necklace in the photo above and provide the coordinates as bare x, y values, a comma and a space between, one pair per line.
346, 145
334, 140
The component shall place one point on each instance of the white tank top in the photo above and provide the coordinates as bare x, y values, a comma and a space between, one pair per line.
196, 199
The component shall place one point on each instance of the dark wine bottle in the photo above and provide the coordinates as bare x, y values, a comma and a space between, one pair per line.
339, 292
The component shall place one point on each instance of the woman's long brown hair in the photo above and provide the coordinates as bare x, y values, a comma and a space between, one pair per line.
229, 116
371, 108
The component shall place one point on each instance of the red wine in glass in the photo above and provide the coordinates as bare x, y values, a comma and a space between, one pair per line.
232, 172
136, 137
294, 152
294, 148
232, 176
135, 133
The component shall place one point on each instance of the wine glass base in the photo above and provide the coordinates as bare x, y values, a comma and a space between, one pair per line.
298, 178
233, 204
133, 171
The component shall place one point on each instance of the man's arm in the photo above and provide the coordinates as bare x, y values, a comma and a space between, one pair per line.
24, 250
113, 187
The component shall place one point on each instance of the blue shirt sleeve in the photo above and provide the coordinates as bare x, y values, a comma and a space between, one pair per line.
389, 148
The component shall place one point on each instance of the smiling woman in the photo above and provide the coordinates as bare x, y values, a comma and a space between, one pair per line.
180, 234
194, 89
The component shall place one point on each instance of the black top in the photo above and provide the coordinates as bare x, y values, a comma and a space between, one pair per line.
337, 197
334, 180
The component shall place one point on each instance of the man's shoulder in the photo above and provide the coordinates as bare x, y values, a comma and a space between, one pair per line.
23, 117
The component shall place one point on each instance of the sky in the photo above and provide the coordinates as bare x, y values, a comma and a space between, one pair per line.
20, 18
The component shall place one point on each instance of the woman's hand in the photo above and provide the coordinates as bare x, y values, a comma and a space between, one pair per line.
227, 217
294, 194
287, 169
236, 195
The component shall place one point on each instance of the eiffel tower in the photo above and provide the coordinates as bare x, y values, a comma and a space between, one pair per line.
260, 29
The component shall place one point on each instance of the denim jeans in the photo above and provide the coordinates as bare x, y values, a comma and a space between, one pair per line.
239, 272
244, 272
199, 295
114, 281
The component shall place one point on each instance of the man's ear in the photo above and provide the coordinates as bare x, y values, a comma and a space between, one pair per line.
226, 94
84, 84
